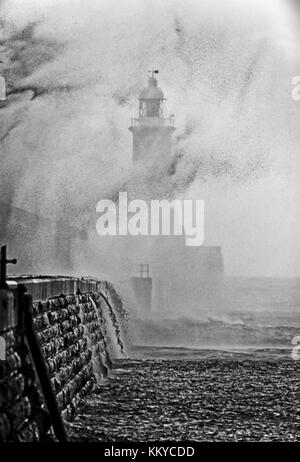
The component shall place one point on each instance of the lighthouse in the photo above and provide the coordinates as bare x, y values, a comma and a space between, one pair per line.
152, 129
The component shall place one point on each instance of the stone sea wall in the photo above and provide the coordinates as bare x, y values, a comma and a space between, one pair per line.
78, 324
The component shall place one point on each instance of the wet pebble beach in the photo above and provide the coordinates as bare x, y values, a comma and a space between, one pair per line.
176, 400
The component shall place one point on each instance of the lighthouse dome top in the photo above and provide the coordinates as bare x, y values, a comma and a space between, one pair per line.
152, 91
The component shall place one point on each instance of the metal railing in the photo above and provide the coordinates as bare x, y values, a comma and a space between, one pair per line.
152, 121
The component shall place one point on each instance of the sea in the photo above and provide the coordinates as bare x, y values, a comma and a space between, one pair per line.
258, 318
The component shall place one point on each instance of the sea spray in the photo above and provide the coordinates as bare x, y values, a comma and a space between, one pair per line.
98, 340
67, 115
113, 326
101, 365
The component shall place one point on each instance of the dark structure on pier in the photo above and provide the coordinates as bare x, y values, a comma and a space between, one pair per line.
142, 286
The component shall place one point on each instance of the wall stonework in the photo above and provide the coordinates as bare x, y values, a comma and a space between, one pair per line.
77, 346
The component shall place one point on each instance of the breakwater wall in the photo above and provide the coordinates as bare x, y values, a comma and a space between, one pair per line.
79, 326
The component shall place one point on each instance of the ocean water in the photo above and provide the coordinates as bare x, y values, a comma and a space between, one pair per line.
256, 318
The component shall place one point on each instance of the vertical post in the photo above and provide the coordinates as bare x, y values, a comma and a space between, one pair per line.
3, 267
3, 263
25, 327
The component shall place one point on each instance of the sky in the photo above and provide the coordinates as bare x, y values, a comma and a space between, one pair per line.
74, 69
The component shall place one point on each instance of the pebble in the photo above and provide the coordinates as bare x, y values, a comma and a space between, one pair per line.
177, 400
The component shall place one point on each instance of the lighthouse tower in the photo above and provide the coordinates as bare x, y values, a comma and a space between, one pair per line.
151, 130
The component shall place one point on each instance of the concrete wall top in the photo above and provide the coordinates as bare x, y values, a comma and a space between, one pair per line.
43, 287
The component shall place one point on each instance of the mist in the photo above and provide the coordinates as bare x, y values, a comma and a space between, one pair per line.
226, 69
